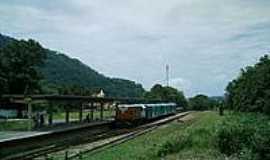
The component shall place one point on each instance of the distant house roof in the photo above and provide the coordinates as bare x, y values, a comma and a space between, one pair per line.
101, 94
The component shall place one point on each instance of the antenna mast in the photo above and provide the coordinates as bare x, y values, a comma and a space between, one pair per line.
167, 75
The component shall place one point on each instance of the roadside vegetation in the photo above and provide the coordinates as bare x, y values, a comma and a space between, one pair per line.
202, 135
244, 136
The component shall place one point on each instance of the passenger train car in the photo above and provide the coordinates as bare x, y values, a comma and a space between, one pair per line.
137, 113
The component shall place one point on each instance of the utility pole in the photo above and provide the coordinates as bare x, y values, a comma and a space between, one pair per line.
167, 75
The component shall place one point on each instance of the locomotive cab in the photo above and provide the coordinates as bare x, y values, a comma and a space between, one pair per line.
130, 113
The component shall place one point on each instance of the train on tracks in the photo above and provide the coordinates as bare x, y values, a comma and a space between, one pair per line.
131, 114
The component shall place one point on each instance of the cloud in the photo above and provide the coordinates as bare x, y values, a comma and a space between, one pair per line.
204, 42
182, 85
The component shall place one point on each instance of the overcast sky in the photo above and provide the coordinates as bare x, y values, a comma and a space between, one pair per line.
205, 42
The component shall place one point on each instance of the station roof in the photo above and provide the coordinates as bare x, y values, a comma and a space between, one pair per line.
71, 98
145, 105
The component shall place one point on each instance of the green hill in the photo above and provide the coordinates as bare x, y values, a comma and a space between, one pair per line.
59, 70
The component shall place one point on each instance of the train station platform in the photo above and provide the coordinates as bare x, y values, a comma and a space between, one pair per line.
8, 136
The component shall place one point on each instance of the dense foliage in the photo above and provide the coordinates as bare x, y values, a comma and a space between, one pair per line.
203, 102
18, 67
251, 90
244, 136
167, 94
63, 74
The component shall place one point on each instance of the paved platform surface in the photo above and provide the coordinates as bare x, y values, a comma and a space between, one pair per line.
14, 135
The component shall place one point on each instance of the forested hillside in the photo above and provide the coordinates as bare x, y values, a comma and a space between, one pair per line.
4, 40
60, 70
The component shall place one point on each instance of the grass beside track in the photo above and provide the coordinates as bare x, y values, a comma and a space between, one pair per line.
193, 139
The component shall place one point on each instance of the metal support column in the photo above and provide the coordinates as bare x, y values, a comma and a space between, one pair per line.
101, 110
67, 114
29, 113
92, 111
50, 118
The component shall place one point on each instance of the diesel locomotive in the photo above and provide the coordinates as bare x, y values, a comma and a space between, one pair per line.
138, 113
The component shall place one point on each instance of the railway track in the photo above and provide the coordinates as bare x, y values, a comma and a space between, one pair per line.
31, 147
113, 142
123, 136
74, 140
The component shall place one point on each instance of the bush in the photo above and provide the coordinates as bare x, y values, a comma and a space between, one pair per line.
261, 145
232, 138
245, 135
174, 146
191, 138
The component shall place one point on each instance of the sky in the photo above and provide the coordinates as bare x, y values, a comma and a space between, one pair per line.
205, 43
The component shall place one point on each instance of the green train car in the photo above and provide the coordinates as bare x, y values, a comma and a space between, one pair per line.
133, 113
158, 110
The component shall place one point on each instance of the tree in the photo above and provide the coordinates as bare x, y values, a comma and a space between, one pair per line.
2, 84
203, 102
200, 102
169, 94
251, 90
18, 67
74, 90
